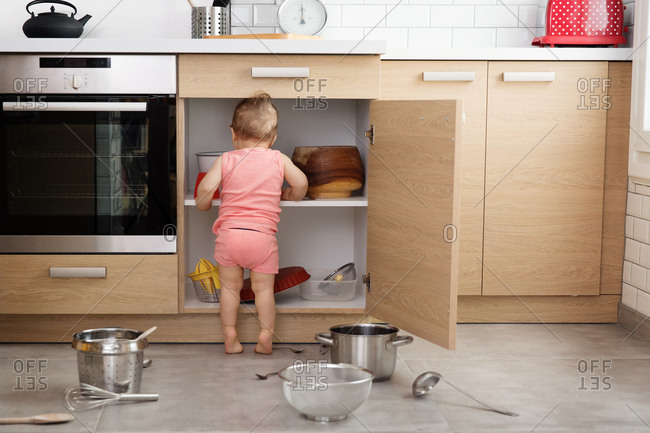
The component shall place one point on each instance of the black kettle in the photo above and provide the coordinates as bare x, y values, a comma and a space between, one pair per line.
53, 24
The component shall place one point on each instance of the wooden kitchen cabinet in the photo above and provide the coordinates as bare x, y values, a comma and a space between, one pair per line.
282, 76
413, 200
551, 242
591, 99
378, 226
544, 174
132, 284
467, 82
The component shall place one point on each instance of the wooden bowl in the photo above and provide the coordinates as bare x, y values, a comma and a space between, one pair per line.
332, 171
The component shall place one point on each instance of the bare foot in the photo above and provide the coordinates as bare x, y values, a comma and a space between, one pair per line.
231, 342
264, 342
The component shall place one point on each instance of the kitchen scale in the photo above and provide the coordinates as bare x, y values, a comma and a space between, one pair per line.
298, 19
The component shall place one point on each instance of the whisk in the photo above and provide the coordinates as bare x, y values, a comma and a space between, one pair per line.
86, 396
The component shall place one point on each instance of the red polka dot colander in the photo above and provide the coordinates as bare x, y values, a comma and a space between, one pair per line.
583, 22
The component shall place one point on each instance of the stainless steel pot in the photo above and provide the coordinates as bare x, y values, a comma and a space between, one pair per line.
110, 358
371, 346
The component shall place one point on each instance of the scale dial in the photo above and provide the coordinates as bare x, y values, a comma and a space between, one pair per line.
302, 17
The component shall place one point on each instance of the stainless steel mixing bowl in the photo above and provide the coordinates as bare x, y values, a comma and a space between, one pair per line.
325, 392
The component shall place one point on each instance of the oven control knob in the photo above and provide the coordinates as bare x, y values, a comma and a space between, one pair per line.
77, 81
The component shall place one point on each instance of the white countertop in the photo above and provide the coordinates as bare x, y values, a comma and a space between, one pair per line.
532, 53
173, 46
324, 46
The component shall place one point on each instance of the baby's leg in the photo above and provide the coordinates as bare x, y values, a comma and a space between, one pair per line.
232, 280
262, 285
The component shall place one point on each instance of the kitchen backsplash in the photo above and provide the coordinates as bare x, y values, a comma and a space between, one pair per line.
636, 267
413, 24
419, 24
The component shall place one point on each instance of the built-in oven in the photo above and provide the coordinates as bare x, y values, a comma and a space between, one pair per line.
87, 154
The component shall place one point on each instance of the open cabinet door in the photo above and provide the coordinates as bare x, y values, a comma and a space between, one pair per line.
413, 214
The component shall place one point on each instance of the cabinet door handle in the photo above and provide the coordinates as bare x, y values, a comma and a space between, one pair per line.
529, 76
449, 76
71, 272
259, 72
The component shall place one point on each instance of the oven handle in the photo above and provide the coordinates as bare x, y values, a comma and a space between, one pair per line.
37, 105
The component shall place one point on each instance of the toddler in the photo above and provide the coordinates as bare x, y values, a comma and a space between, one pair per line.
251, 179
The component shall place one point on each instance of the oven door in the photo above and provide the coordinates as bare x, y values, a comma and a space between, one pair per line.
87, 174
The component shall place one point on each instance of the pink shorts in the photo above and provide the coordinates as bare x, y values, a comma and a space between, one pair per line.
249, 249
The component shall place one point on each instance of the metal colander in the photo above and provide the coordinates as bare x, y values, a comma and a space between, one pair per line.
110, 359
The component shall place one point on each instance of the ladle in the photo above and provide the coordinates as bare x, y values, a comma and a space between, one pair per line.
424, 382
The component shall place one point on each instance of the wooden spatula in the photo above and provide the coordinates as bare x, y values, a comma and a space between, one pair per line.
46, 418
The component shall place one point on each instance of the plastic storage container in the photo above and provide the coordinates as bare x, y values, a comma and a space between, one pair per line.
317, 289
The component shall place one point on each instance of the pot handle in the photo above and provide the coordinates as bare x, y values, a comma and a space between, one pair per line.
60, 2
325, 338
401, 340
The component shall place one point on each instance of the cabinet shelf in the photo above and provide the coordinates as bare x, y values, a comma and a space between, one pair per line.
288, 301
355, 201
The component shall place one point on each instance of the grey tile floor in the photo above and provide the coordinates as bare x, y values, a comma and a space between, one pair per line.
201, 390
559, 378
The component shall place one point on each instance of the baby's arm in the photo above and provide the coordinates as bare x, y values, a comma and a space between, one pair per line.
208, 186
296, 179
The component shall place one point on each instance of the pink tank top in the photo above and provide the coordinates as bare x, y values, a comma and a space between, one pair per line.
251, 187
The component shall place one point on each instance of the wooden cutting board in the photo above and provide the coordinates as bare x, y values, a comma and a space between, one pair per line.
263, 36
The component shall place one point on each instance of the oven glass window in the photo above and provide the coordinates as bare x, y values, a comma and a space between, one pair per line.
88, 167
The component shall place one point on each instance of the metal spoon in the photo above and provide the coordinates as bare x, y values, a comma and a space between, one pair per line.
290, 348
424, 382
266, 376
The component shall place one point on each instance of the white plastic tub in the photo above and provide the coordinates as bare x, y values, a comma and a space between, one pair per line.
317, 289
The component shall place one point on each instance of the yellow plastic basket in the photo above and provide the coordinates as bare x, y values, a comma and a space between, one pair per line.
206, 281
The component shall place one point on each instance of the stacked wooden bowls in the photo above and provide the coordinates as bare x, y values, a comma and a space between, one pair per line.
332, 171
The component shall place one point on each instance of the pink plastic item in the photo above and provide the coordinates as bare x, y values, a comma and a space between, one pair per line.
583, 22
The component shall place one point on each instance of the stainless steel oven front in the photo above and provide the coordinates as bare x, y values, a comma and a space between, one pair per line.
88, 154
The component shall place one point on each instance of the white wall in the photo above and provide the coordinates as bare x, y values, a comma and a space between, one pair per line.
417, 24
636, 268
423, 24
112, 19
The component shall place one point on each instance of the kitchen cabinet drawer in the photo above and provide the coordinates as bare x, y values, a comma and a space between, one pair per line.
545, 159
467, 82
88, 284
306, 77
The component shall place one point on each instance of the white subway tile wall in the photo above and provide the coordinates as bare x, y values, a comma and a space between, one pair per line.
420, 24
636, 267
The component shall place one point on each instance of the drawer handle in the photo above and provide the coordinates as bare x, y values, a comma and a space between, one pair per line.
258, 72
449, 76
529, 76
77, 272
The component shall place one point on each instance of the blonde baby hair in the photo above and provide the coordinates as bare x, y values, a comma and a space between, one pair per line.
256, 117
